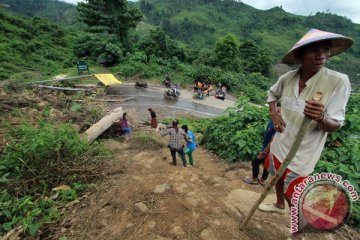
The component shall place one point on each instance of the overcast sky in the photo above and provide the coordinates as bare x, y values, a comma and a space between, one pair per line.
347, 8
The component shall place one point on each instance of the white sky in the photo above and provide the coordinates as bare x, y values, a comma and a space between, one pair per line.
347, 8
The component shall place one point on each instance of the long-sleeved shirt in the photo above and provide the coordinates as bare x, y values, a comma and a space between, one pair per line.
175, 137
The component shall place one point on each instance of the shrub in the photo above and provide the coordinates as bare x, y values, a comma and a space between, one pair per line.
238, 136
39, 158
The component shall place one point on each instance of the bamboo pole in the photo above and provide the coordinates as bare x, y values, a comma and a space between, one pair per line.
300, 136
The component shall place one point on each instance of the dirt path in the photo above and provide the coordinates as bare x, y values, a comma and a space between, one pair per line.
147, 198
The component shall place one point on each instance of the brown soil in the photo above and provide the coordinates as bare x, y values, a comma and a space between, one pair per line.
144, 197
147, 198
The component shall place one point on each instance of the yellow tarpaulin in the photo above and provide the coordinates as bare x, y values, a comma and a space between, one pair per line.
107, 79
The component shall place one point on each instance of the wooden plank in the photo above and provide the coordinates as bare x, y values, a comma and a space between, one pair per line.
102, 125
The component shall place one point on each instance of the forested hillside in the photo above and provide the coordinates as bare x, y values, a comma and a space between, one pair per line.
199, 23
32, 48
54, 10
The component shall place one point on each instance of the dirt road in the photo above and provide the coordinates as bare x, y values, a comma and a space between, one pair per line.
147, 198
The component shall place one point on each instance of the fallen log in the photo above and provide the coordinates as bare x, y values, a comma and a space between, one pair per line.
86, 86
59, 80
62, 88
101, 126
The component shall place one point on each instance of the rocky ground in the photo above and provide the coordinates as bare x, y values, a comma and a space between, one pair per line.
146, 197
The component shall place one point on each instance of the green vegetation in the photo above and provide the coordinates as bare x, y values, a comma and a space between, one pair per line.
201, 23
209, 40
32, 48
238, 136
195, 28
145, 141
111, 16
36, 160
56, 11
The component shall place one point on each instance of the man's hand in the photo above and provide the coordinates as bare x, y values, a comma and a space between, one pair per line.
314, 110
261, 155
278, 121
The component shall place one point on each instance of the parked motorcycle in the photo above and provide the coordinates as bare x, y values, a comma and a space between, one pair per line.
141, 84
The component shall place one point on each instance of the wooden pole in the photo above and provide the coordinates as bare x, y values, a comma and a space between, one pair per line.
300, 136
59, 80
102, 125
63, 88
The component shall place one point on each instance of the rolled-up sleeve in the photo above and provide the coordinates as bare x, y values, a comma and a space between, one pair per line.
335, 109
275, 91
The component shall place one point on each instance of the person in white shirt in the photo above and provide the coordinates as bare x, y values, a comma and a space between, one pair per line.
295, 90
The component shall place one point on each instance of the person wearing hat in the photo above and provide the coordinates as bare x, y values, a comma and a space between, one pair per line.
295, 90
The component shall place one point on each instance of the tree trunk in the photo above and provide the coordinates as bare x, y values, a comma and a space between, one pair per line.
101, 126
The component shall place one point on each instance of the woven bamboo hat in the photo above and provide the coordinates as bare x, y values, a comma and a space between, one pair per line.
339, 43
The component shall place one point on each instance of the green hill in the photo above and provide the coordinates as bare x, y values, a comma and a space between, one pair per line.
32, 48
54, 10
200, 23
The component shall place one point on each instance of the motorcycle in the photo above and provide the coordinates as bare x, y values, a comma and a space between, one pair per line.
141, 84
176, 89
199, 95
170, 94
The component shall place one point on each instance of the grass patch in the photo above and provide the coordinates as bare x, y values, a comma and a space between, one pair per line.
145, 141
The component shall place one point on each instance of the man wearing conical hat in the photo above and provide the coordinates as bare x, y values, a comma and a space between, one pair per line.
295, 90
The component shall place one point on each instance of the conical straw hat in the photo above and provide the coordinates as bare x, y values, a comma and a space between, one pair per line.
339, 43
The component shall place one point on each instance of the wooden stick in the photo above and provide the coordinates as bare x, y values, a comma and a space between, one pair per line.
303, 128
59, 80
62, 88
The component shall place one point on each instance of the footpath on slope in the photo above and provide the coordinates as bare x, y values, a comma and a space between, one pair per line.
145, 197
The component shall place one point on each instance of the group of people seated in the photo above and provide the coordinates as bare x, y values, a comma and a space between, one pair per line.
202, 90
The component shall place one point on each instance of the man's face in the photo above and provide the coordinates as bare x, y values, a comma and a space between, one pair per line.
314, 57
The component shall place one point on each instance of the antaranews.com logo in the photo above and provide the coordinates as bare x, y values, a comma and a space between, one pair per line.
322, 201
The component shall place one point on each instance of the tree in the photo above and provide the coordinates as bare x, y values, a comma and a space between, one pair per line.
254, 59
226, 51
160, 45
111, 16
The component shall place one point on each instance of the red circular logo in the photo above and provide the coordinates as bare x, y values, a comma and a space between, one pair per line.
325, 205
